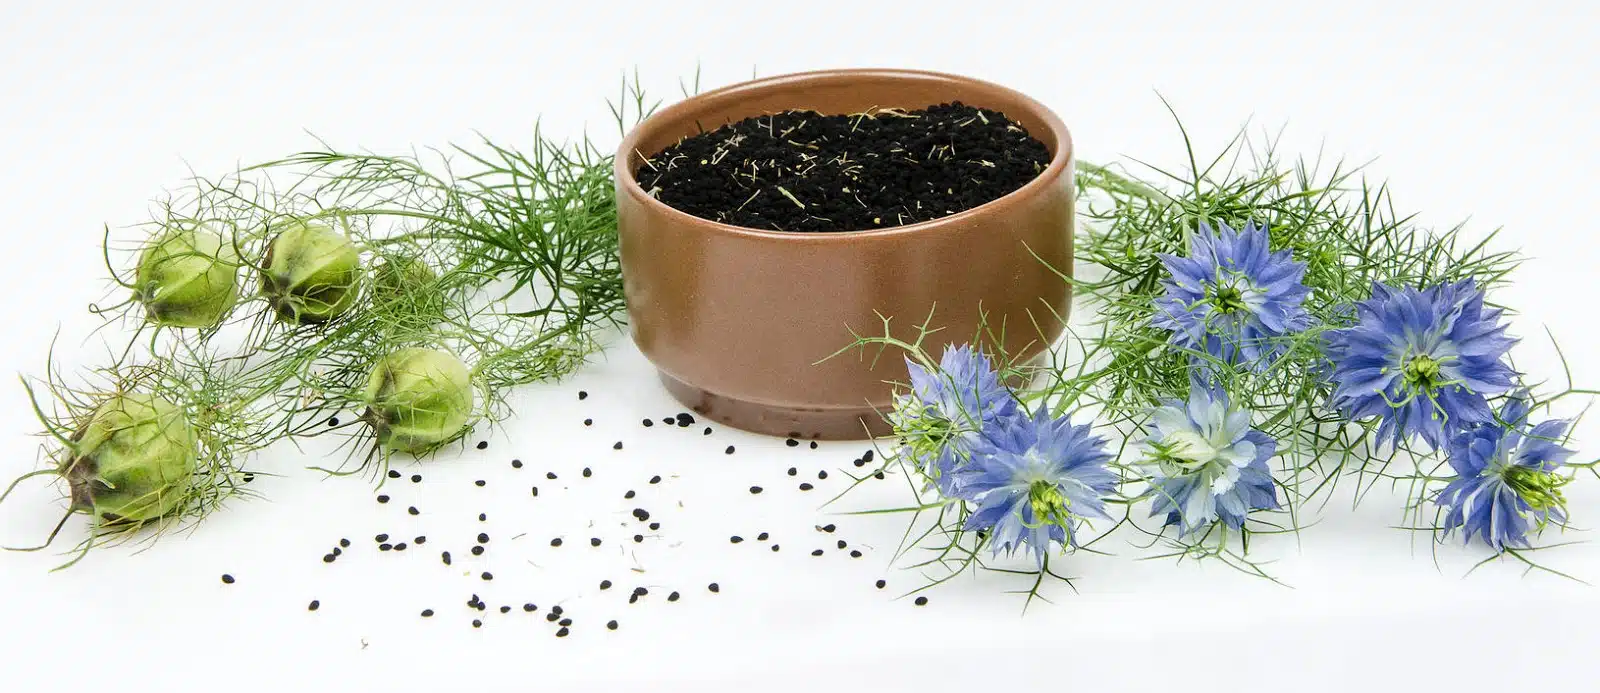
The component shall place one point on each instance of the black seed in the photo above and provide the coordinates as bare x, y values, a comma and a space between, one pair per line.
638, 538
822, 474
249, 478
855, 554
755, 489
829, 528
479, 483
633, 599
563, 632
314, 605
818, 552
445, 556
483, 538
685, 419
640, 591
713, 587
655, 479
477, 623
227, 579
583, 395
813, 445
587, 472
641, 514
707, 432
394, 474
328, 558
556, 541
805, 486
427, 613
400, 546
564, 622
867, 457
774, 548
611, 625
483, 445
385, 547
381, 538
728, 451
536, 491
605, 584
487, 575
672, 597
881, 583
420, 540
921, 601
529, 607
735, 539
629, 495
505, 609
842, 544
762, 536
792, 443
793, 471
333, 421
618, 446
337, 552
516, 464
550, 475
345, 543
553, 616
859, 462
416, 478
413, 510
878, 475
477, 550
648, 423
383, 499
483, 517
594, 541
655, 526
588, 422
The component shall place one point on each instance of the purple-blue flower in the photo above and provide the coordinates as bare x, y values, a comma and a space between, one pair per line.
948, 411
1033, 480
1206, 462
1506, 481
1423, 361
1232, 297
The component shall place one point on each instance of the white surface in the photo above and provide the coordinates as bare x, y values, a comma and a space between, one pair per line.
1481, 112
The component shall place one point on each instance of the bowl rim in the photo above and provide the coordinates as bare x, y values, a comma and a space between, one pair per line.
629, 185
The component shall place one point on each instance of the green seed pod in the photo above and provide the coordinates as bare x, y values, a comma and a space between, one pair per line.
310, 274
133, 461
418, 399
400, 276
188, 277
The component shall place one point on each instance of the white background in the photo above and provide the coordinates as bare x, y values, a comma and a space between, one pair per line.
1484, 112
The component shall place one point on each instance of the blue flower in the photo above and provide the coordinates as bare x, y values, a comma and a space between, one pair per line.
1505, 478
1422, 361
1207, 462
1032, 480
948, 411
1232, 297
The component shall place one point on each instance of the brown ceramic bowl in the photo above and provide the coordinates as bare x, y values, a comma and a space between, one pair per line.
737, 319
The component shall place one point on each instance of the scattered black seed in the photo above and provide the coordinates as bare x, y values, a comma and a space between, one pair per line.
728, 451
855, 554
714, 587
482, 517
249, 478
587, 472
793, 471
881, 584
655, 526
227, 579
842, 544
629, 495
483, 538
529, 607
588, 422
611, 625
618, 446
755, 489
823, 474
762, 536
813, 445
314, 605
420, 540
333, 421
487, 576
383, 499
922, 601
818, 552
345, 543
478, 550
473, 602
594, 541
563, 632
805, 486
505, 609
633, 599
672, 597
413, 510
479, 483
385, 547
400, 546
337, 552
640, 591
394, 474
550, 475
638, 538
867, 457
381, 538
685, 419
483, 445
445, 556
536, 491
328, 558
482, 606
859, 462
735, 539
648, 423
641, 514
416, 478
583, 395
829, 528
516, 464
556, 541
792, 443
427, 613
553, 616
605, 584
564, 622
878, 475
774, 548
655, 479
707, 431
477, 623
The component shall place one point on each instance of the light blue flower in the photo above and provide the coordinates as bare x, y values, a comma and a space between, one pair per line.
1232, 297
1422, 361
1033, 480
948, 411
1506, 478
1206, 462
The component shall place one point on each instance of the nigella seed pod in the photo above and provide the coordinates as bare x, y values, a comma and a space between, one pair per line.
310, 274
187, 277
418, 399
133, 461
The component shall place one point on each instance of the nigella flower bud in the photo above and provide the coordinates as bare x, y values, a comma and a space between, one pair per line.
310, 274
187, 277
418, 399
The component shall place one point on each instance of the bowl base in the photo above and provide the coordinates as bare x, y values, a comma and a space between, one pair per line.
860, 423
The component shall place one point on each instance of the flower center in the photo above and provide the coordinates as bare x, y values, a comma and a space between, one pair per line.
1049, 506
1421, 373
1541, 490
1227, 299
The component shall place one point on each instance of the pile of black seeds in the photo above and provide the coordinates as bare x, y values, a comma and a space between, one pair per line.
805, 171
